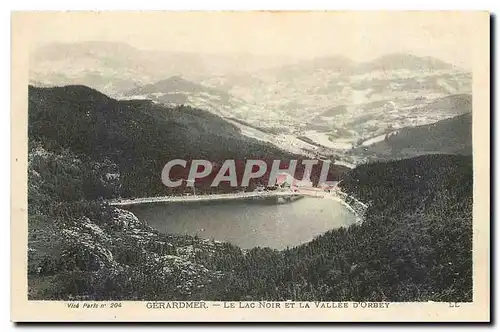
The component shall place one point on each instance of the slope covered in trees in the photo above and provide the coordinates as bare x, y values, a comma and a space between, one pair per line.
450, 136
415, 243
138, 136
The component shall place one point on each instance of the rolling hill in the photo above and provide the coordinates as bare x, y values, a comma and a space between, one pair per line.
179, 91
449, 136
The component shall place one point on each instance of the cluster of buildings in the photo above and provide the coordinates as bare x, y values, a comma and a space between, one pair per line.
286, 181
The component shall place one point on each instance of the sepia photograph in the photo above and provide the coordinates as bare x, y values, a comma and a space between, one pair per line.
202, 161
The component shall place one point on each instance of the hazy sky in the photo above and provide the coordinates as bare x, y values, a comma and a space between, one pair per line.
357, 35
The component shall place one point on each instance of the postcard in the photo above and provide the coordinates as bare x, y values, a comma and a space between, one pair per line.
251, 166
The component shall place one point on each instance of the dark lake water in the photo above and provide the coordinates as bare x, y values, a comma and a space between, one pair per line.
248, 223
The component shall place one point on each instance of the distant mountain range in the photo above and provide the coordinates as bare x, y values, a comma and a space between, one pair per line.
324, 100
346, 66
113, 67
297, 94
401, 61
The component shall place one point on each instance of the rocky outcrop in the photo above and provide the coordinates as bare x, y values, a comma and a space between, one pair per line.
125, 251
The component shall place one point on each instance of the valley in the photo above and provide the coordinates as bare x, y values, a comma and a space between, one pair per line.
104, 118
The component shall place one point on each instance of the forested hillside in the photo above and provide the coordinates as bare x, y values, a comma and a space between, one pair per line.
137, 137
415, 243
451, 136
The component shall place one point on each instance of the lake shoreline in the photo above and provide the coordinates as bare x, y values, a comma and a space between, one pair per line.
249, 223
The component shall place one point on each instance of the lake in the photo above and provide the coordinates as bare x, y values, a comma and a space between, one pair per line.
248, 223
